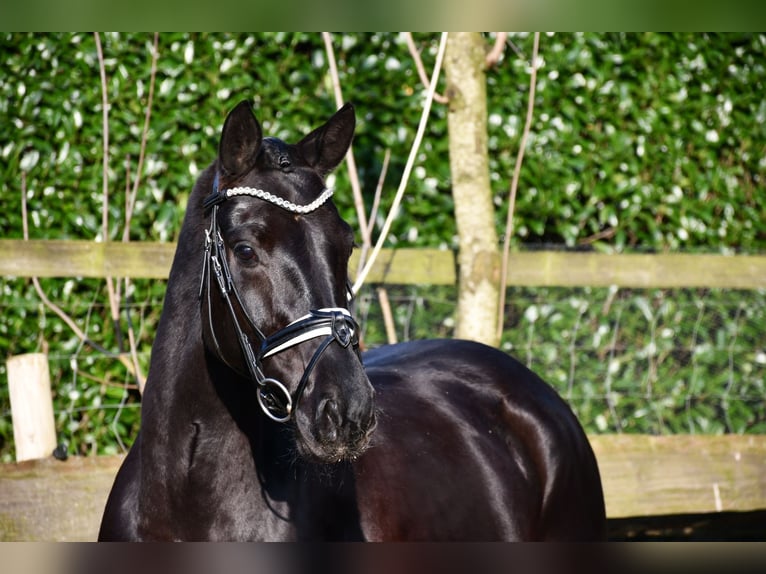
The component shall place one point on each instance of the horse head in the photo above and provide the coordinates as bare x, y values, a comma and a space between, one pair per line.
274, 283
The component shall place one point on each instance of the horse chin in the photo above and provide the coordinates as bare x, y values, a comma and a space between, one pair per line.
329, 455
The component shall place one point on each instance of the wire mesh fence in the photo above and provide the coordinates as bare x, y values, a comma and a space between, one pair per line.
652, 361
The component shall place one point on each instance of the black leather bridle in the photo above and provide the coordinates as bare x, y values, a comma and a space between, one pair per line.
332, 323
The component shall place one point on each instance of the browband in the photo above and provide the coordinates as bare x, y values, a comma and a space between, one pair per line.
218, 196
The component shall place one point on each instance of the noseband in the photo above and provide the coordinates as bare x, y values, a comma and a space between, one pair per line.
333, 323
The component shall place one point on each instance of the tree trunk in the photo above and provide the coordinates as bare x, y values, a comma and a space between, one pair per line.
479, 254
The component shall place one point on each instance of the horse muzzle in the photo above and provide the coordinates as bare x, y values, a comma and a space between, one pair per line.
341, 425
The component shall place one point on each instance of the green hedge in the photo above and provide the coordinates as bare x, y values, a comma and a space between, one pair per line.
656, 141
645, 142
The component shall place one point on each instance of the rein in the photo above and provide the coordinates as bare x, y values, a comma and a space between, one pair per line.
333, 323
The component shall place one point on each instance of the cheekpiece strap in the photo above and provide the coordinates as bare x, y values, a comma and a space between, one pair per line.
215, 196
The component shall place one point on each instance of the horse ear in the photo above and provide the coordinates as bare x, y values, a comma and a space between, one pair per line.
240, 140
325, 147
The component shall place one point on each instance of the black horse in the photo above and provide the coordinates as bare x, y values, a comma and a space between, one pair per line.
262, 421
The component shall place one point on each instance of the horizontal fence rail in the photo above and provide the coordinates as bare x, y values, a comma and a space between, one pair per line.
147, 260
643, 475
407, 266
662, 270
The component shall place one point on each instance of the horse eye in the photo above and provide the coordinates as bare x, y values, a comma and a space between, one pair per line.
245, 253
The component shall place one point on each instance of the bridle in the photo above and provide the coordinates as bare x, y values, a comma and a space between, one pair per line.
332, 323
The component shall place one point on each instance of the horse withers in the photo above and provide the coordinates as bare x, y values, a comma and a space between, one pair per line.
261, 420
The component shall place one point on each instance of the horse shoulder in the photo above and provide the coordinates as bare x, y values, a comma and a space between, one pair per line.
120, 520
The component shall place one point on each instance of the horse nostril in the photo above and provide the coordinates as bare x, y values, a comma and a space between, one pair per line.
329, 419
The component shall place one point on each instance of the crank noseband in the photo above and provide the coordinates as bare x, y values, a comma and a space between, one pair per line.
334, 324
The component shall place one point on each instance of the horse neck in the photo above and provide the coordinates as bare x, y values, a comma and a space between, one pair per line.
178, 352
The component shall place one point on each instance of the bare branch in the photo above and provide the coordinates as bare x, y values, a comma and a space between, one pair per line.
603, 234
518, 51
144, 136
105, 382
388, 316
379, 189
385, 306
104, 139
362, 275
130, 203
140, 378
353, 174
365, 249
50, 304
127, 211
128, 208
515, 183
114, 293
493, 57
114, 304
420, 68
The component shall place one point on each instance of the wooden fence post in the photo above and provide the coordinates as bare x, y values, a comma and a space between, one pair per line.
29, 382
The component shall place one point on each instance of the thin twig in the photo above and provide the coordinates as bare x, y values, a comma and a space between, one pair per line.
385, 305
140, 379
603, 234
104, 139
519, 52
379, 189
415, 53
50, 304
144, 138
130, 204
407, 168
493, 56
609, 396
388, 316
515, 184
353, 174
365, 224
374, 210
114, 304
127, 213
132, 345
105, 382
25, 233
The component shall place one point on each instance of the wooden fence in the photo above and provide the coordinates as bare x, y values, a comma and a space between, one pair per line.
63, 258
642, 475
